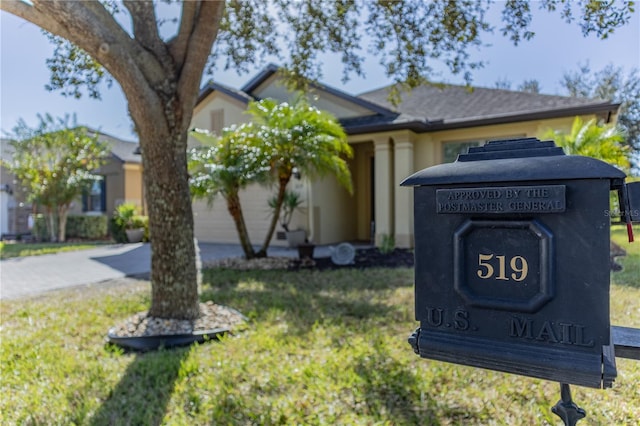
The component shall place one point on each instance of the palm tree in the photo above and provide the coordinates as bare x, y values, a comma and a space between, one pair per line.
605, 142
224, 166
299, 138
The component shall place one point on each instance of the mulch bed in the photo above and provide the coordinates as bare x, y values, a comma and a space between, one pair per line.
364, 258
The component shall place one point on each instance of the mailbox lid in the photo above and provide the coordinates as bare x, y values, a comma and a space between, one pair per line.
514, 160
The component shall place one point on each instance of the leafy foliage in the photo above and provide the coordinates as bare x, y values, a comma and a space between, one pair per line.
88, 227
224, 166
592, 140
611, 83
127, 216
72, 69
54, 163
406, 35
388, 244
290, 203
530, 86
299, 138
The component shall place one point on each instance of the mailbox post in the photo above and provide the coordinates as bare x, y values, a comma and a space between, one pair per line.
512, 262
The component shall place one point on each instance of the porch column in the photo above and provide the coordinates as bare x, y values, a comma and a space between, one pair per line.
403, 205
383, 188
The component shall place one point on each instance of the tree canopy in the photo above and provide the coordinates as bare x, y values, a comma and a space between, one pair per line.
611, 83
160, 75
54, 163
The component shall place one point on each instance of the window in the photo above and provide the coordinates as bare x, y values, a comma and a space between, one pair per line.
94, 199
450, 150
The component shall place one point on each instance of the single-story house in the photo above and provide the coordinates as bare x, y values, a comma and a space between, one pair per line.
120, 181
429, 126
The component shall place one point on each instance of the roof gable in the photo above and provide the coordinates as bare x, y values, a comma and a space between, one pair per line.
211, 87
269, 84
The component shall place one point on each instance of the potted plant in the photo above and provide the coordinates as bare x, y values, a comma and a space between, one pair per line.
291, 202
126, 218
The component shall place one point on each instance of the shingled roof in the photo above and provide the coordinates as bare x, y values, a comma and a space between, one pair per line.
431, 107
125, 151
211, 87
438, 107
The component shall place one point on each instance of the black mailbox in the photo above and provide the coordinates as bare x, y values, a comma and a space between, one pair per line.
512, 262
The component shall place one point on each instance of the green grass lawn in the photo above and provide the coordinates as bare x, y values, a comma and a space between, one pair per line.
8, 250
322, 348
630, 275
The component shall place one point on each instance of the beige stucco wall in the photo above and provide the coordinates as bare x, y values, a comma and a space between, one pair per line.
134, 186
334, 214
339, 107
213, 223
234, 113
394, 206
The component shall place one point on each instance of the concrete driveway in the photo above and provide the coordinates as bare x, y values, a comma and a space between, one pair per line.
28, 276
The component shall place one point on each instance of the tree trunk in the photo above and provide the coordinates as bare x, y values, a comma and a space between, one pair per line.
161, 82
235, 210
282, 187
51, 224
62, 223
174, 290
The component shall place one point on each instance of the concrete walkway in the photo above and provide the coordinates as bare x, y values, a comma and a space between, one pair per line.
32, 275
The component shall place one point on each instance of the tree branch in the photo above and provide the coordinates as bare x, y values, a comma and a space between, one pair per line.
145, 31
204, 33
35, 16
178, 45
92, 28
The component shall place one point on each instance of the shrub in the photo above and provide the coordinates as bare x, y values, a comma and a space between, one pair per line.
78, 226
88, 227
39, 230
387, 244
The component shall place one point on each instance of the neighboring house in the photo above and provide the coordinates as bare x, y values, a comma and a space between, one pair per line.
431, 125
120, 181
14, 212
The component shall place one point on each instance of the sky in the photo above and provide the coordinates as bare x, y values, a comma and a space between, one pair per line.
556, 49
